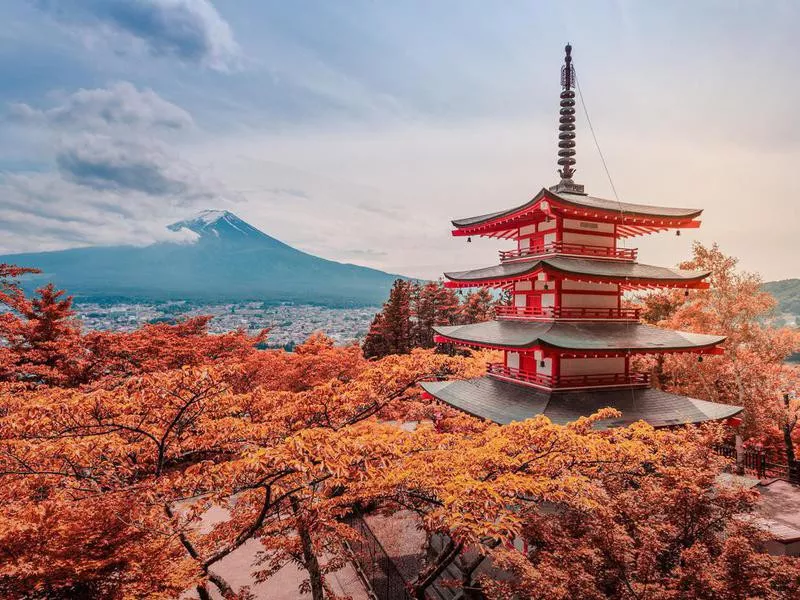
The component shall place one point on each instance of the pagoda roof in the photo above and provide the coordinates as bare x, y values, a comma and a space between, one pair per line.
504, 402
583, 337
593, 268
646, 216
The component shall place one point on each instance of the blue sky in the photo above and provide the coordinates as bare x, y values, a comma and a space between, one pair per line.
355, 129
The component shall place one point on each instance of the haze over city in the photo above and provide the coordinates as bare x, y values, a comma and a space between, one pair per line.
357, 130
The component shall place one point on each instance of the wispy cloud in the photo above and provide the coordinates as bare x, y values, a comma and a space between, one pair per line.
120, 104
190, 30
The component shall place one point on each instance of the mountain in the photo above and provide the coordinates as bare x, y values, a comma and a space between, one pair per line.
787, 293
230, 261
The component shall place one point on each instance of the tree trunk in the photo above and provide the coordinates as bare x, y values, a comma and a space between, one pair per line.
661, 378
470, 590
445, 557
310, 560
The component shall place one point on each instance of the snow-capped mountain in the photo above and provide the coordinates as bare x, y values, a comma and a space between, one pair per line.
230, 261
221, 224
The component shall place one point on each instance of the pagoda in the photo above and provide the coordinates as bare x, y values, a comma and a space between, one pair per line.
566, 337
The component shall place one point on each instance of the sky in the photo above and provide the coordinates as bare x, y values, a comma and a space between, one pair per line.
357, 129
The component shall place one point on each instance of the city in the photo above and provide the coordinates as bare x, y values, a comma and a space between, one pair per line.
288, 324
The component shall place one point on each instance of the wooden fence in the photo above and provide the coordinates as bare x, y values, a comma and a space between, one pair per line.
755, 462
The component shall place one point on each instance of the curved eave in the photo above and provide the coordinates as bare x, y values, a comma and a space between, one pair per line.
569, 351
592, 339
598, 271
633, 219
505, 402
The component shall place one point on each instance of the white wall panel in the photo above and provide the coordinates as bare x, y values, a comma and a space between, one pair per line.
592, 366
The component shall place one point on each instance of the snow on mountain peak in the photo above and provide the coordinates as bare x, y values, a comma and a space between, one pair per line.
222, 224
207, 217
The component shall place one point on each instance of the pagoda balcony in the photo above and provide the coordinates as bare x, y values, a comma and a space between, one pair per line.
569, 382
548, 313
602, 252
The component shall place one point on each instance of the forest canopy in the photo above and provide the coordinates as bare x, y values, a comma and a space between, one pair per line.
114, 445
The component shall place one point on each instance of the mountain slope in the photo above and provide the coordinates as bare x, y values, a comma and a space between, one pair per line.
230, 261
787, 293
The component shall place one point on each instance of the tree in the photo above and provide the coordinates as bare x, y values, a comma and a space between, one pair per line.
286, 460
392, 330
43, 342
414, 309
752, 368
41, 334
107, 471
433, 304
478, 307
628, 513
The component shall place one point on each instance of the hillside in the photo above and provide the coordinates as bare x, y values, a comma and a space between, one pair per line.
230, 261
787, 293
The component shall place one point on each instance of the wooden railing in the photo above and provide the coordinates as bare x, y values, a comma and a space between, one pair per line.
756, 462
551, 312
573, 249
569, 381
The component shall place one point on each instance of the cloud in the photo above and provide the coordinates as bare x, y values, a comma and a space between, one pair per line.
190, 30
103, 163
43, 211
121, 104
116, 179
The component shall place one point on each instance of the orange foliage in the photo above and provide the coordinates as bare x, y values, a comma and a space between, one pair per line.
751, 373
113, 446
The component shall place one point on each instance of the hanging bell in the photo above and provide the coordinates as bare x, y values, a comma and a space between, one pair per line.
469, 239
700, 358
686, 293
678, 232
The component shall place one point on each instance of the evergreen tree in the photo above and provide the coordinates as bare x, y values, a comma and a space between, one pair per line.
478, 307
434, 304
390, 331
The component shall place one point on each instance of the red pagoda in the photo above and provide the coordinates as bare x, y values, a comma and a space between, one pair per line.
566, 339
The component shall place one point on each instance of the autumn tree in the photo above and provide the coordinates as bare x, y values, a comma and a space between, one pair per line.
149, 453
535, 510
752, 368
41, 335
43, 342
664, 529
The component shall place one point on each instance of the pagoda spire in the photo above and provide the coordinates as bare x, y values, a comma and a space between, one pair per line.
566, 128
